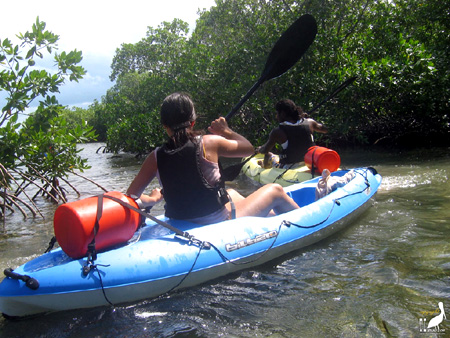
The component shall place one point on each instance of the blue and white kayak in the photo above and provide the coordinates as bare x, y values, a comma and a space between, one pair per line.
155, 261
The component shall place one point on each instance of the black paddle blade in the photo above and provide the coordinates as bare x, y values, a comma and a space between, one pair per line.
231, 172
290, 47
287, 51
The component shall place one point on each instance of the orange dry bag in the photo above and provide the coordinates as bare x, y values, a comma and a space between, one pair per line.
322, 158
74, 224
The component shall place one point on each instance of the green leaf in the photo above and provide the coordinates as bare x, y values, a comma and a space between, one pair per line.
31, 52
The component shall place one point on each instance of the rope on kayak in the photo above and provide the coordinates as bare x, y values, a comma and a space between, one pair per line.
91, 250
95, 267
51, 244
336, 201
203, 245
208, 245
313, 168
284, 172
90, 266
177, 231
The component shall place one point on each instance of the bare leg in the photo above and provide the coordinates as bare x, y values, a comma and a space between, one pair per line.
234, 195
261, 202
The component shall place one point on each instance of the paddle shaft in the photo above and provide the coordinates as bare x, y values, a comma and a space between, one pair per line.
333, 94
243, 100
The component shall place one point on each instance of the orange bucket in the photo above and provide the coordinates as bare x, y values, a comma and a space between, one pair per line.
322, 158
74, 224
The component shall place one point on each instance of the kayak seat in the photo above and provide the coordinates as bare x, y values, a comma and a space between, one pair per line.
303, 196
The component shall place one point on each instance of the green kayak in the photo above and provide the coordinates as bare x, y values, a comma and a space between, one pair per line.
284, 177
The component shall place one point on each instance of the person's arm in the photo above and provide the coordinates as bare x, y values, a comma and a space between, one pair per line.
225, 142
319, 127
275, 136
146, 174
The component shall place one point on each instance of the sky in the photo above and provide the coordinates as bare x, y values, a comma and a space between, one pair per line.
97, 28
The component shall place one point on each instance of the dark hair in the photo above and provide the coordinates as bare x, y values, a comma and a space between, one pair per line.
177, 113
291, 110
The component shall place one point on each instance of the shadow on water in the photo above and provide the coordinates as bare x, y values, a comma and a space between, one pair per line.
377, 278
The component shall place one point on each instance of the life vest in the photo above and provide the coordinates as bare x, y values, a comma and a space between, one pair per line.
186, 192
299, 141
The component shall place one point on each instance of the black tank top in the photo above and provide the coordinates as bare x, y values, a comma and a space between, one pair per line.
299, 141
186, 191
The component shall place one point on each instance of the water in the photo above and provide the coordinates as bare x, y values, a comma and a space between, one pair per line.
378, 278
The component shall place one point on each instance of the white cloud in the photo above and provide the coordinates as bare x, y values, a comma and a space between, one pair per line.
97, 28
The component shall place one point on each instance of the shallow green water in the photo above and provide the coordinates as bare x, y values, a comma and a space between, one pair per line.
377, 278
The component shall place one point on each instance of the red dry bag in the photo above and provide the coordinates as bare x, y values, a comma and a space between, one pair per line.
322, 158
74, 224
